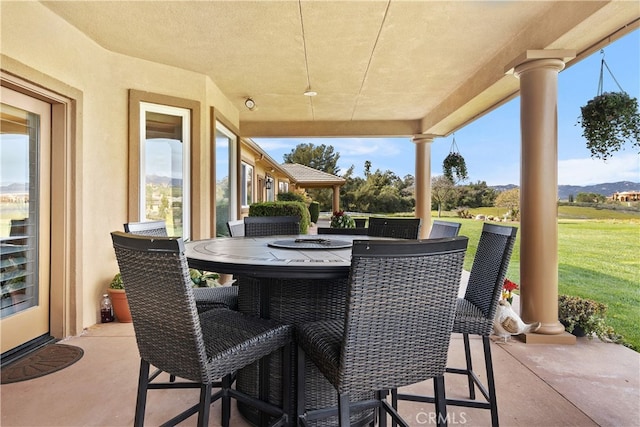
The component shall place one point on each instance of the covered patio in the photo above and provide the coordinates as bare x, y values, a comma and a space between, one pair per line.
588, 384
419, 70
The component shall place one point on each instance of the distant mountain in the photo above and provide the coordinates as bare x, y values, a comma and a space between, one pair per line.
564, 191
14, 188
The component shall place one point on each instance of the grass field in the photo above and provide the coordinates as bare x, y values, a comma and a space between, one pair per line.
598, 258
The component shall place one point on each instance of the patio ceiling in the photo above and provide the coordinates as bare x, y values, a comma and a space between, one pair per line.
379, 67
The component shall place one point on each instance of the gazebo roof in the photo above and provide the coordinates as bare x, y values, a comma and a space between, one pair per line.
307, 177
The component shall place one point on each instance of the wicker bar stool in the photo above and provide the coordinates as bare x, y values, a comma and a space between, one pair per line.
206, 298
397, 228
475, 313
256, 226
174, 338
400, 307
441, 229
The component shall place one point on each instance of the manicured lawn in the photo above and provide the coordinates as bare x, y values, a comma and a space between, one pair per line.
598, 259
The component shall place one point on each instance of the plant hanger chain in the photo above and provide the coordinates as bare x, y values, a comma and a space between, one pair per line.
454, 146
603, 64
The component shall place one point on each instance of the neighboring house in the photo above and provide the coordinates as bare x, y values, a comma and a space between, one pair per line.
626, 196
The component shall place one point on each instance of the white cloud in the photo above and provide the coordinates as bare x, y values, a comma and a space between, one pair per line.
587, 171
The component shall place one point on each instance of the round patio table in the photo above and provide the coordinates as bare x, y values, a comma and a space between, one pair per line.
292, 279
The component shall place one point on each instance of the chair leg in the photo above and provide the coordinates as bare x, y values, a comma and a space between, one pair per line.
205, 405
226, 400
394, 404
382, 414
141, 402
467, 355
300, 380
344, 410
440, 401
491, 385
286, 383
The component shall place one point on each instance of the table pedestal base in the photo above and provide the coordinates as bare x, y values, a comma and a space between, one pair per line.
292, 301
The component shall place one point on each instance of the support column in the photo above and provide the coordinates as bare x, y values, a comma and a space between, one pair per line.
539, 192
336, 198
423, 182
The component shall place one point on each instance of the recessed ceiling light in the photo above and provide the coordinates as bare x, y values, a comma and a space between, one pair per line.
250, 104
310, 92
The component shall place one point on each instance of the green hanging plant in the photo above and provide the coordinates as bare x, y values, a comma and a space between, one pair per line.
454, 162
609, 120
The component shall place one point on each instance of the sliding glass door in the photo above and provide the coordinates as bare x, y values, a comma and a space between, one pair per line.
25, 217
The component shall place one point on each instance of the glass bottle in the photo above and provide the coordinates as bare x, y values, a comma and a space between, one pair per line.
106, 309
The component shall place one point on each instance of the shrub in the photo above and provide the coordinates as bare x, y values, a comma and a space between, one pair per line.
290, 197
586, 314
314, 211
298, 209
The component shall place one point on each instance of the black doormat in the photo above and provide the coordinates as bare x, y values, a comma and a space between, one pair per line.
45, 360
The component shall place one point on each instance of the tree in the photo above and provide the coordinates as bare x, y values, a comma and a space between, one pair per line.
443, 192
510, 199
590, 198
476, 195
319, 157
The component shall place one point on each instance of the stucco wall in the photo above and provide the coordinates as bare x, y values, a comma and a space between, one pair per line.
34, 36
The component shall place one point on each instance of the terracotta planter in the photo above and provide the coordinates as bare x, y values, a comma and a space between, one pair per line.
120, 305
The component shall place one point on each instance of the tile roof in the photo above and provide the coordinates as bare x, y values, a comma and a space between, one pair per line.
309, 177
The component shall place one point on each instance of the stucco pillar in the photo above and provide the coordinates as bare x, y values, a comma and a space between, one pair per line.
336, 198
423, 182
539, 190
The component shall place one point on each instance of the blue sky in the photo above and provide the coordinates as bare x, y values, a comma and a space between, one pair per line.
491, 144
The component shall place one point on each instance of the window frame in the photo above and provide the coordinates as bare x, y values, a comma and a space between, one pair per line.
194, 211
246, 194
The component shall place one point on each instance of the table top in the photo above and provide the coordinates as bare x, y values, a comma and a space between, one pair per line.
253, 256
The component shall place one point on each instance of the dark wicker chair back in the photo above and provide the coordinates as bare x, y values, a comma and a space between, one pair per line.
255, 226
441, 229
489, 270
236, 228
400, 309
395, 289
174, 338
351, 231
397, 228
147, 228
158, 305
206, 298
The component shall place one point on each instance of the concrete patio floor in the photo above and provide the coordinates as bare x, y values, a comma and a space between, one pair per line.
587, 384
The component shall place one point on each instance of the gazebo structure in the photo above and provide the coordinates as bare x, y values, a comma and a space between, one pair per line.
191, 79
306, 177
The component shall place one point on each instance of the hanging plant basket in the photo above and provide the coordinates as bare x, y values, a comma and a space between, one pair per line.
609, 120
454, 164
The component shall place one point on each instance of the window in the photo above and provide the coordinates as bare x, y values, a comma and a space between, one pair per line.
246, 196
225, 178
164, 166
283, 187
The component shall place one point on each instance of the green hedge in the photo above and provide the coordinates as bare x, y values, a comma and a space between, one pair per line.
290, 196
298, 209
314, 211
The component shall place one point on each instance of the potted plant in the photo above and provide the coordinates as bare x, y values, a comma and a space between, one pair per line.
608, 121
584, 317
204, 279
340, 219
119, 299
